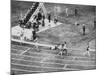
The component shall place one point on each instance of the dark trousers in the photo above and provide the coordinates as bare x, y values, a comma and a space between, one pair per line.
83, 31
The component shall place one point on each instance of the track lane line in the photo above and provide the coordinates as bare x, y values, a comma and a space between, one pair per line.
41, 67
50, 62
54, 55
64, 60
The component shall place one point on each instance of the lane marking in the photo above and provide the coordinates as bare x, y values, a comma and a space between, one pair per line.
45, 45
24, 70
54, 55
39, 66
62, 59
65, 65
25, 51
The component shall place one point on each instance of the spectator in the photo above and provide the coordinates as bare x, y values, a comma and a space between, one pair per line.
34, 25
55, 20
37, 27
39, 16
61, 50
43, 21
49, 17
29, 25
43, 24
67, 12
34, 34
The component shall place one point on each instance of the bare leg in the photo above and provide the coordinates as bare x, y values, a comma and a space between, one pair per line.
86, 53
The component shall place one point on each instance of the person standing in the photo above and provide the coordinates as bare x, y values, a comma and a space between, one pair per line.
67, 12
34, 35
43, 21
13, 73
34, 25
76, 12
83, 28
49, 17
94, 24
39, 16
61, 52
37, 27
55, 20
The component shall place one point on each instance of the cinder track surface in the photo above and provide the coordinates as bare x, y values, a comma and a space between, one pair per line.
25, 59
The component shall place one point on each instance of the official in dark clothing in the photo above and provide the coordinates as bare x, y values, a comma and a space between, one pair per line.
34, 34
39, 17
76, 12
83, 29
29, 25
49, 17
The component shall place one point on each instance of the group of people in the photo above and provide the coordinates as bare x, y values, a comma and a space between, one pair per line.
39, 19
62, 48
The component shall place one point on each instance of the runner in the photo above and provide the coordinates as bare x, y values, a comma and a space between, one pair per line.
65, 48
61, 48
87, 51
29, 25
